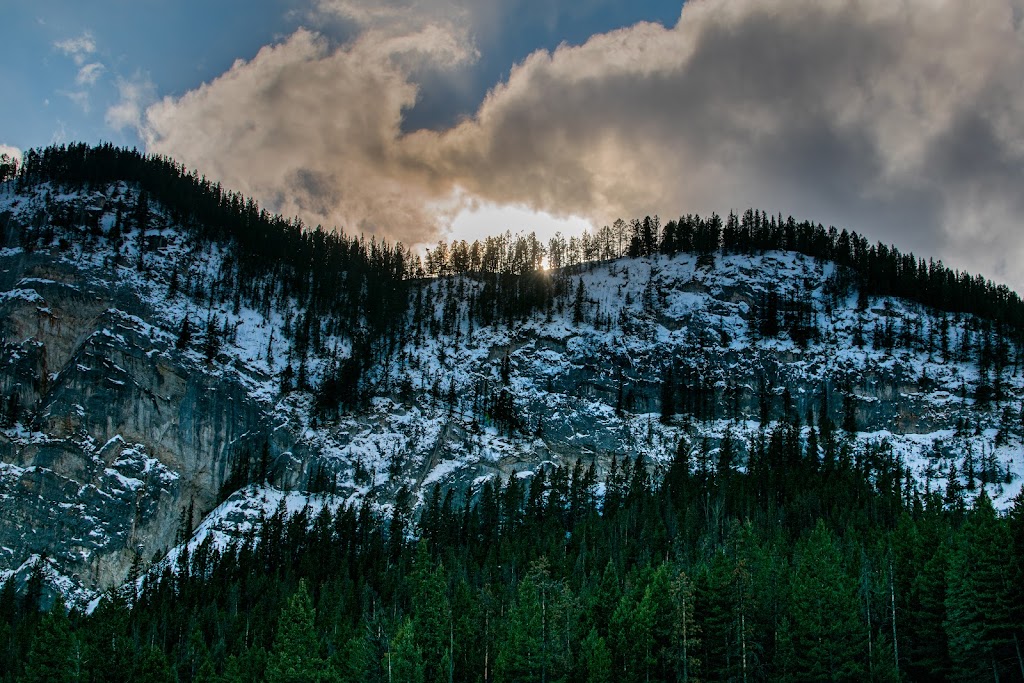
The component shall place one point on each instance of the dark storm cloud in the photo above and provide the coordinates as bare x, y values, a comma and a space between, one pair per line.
902, 120
314, 192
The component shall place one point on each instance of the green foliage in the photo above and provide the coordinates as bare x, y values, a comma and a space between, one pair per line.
152, 666
596, 659
432, 621
295, 657
828, 638
55, 653
405, 659
535, 582
538, 628
978, 616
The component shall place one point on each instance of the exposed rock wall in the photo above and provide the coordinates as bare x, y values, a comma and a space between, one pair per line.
123, 432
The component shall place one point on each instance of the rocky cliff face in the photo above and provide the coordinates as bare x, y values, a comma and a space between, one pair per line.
111, 431
114, 423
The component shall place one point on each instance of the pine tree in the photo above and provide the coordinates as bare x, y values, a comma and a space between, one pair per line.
596, 659
295, 657
827, 634
954, 498
432, 618
534, 647
720, 617
630, 632
54, 654
687, 636
577, 308
928, 647
405, 660
184, 335
521, 655
978, 620
211, 339
659, 601
152, 666
1015, 523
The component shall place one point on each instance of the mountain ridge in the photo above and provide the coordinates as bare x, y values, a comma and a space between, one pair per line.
475, 376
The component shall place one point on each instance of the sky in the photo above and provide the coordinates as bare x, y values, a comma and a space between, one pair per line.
419, 120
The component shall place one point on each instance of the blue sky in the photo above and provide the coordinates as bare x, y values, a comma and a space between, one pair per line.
177, 45
424, 119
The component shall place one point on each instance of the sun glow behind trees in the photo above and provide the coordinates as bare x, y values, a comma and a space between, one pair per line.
488, 219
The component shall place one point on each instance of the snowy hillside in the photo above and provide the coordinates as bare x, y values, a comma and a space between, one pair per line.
142, 375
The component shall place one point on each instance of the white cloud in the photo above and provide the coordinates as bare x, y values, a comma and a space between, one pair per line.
400, 16
79, 97
60, 133
902, 120
89, 74
10, 151
135, 94
311, 131
77, 48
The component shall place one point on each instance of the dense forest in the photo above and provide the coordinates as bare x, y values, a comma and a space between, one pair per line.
801, 568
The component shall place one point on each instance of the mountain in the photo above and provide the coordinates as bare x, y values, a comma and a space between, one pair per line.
716, 447
153, 364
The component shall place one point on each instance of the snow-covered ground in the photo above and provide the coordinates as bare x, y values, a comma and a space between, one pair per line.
566, 379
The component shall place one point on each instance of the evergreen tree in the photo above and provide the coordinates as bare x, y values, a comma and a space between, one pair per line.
152, 666
928, 646
978, 620
596, 659
54, 654
1015, 522
212, 339
184, 335
687, 633
405, 660
534, 647
577, 308
827, 636
295, 657
631, 633
432, 618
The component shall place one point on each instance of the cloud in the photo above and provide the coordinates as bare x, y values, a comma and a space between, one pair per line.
60, 133
77, 48
312, 131
79, 97
135, 95
898, 119
903, 120
89, 74
10, 151
402, 16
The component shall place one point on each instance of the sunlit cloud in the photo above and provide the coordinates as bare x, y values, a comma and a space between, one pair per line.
904, 121
10, 151
135, 94
479, 218
311, 131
